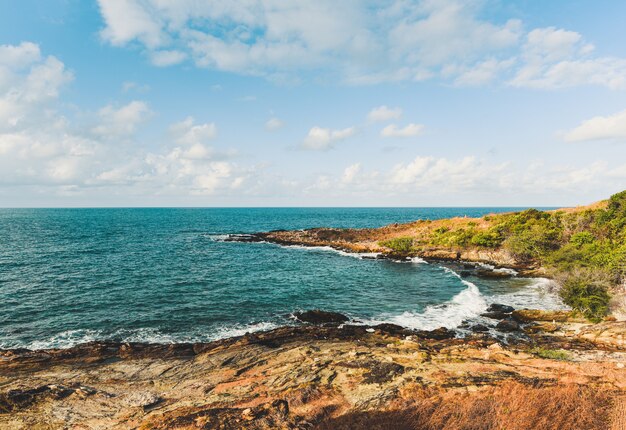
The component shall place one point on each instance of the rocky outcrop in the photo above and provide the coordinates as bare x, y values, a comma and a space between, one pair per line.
318, 316
317, 376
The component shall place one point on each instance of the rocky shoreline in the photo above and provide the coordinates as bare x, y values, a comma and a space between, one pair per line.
522, 369
473, 261
328, 373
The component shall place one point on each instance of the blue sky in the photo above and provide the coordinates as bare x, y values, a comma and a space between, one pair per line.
311, 103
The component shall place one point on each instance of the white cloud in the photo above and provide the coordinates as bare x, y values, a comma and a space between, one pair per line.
274, 124
350, 173
410, 130
362, 43
483, 72
600, 127
167, 58
188, 133
127, 20
122, 121
324, 138
44, 152
29, 85
18, 56
556, 58
384, 113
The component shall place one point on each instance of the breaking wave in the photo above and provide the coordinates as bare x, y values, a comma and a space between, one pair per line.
467, 304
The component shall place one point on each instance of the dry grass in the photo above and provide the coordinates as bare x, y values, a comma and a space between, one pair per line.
512, 406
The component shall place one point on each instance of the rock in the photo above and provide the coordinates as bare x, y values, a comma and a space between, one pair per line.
144, 399
393, 329
497, 307
20, 399
317, 316
496, 315
465, 273
376, 372
493, 274
508, 325
611, 334
479, 328
440, 333
527, 315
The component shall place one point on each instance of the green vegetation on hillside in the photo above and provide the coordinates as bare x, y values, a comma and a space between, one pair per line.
585, 250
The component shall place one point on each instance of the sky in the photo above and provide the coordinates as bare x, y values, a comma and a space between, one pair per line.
311, 103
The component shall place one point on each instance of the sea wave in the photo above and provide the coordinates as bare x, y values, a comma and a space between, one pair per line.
540, 294
70, 338
465, 305
359, 255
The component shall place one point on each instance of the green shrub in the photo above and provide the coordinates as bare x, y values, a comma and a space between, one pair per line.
487, 239
552, 354
586, 291
399, 244
582, 238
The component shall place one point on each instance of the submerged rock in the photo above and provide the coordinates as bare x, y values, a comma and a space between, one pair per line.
317, 316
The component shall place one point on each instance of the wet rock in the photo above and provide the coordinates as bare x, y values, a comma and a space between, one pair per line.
508, 325
318, 316
484, 273
243, 238
440, 333
479, 328
465, 273
393, 329
397, 256
496, 315
497, 307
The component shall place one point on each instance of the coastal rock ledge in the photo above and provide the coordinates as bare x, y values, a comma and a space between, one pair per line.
328, 377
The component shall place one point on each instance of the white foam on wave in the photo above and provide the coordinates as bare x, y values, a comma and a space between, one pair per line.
70, 338
540, 294
359, 255
465, 305
225, 332
65, 339
217, 237
506, 270
414, 260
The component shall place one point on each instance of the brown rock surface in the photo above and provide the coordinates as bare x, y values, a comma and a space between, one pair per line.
319, 377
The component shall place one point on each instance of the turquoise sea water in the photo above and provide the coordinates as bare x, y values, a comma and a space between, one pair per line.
164, 275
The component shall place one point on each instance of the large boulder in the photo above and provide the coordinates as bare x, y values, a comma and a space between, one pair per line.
497, 307
317, 316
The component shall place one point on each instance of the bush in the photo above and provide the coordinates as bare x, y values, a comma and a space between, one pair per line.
487, 239
552, 354
582, 238
399, 244
586, 291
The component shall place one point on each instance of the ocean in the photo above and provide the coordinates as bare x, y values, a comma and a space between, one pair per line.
69, 276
